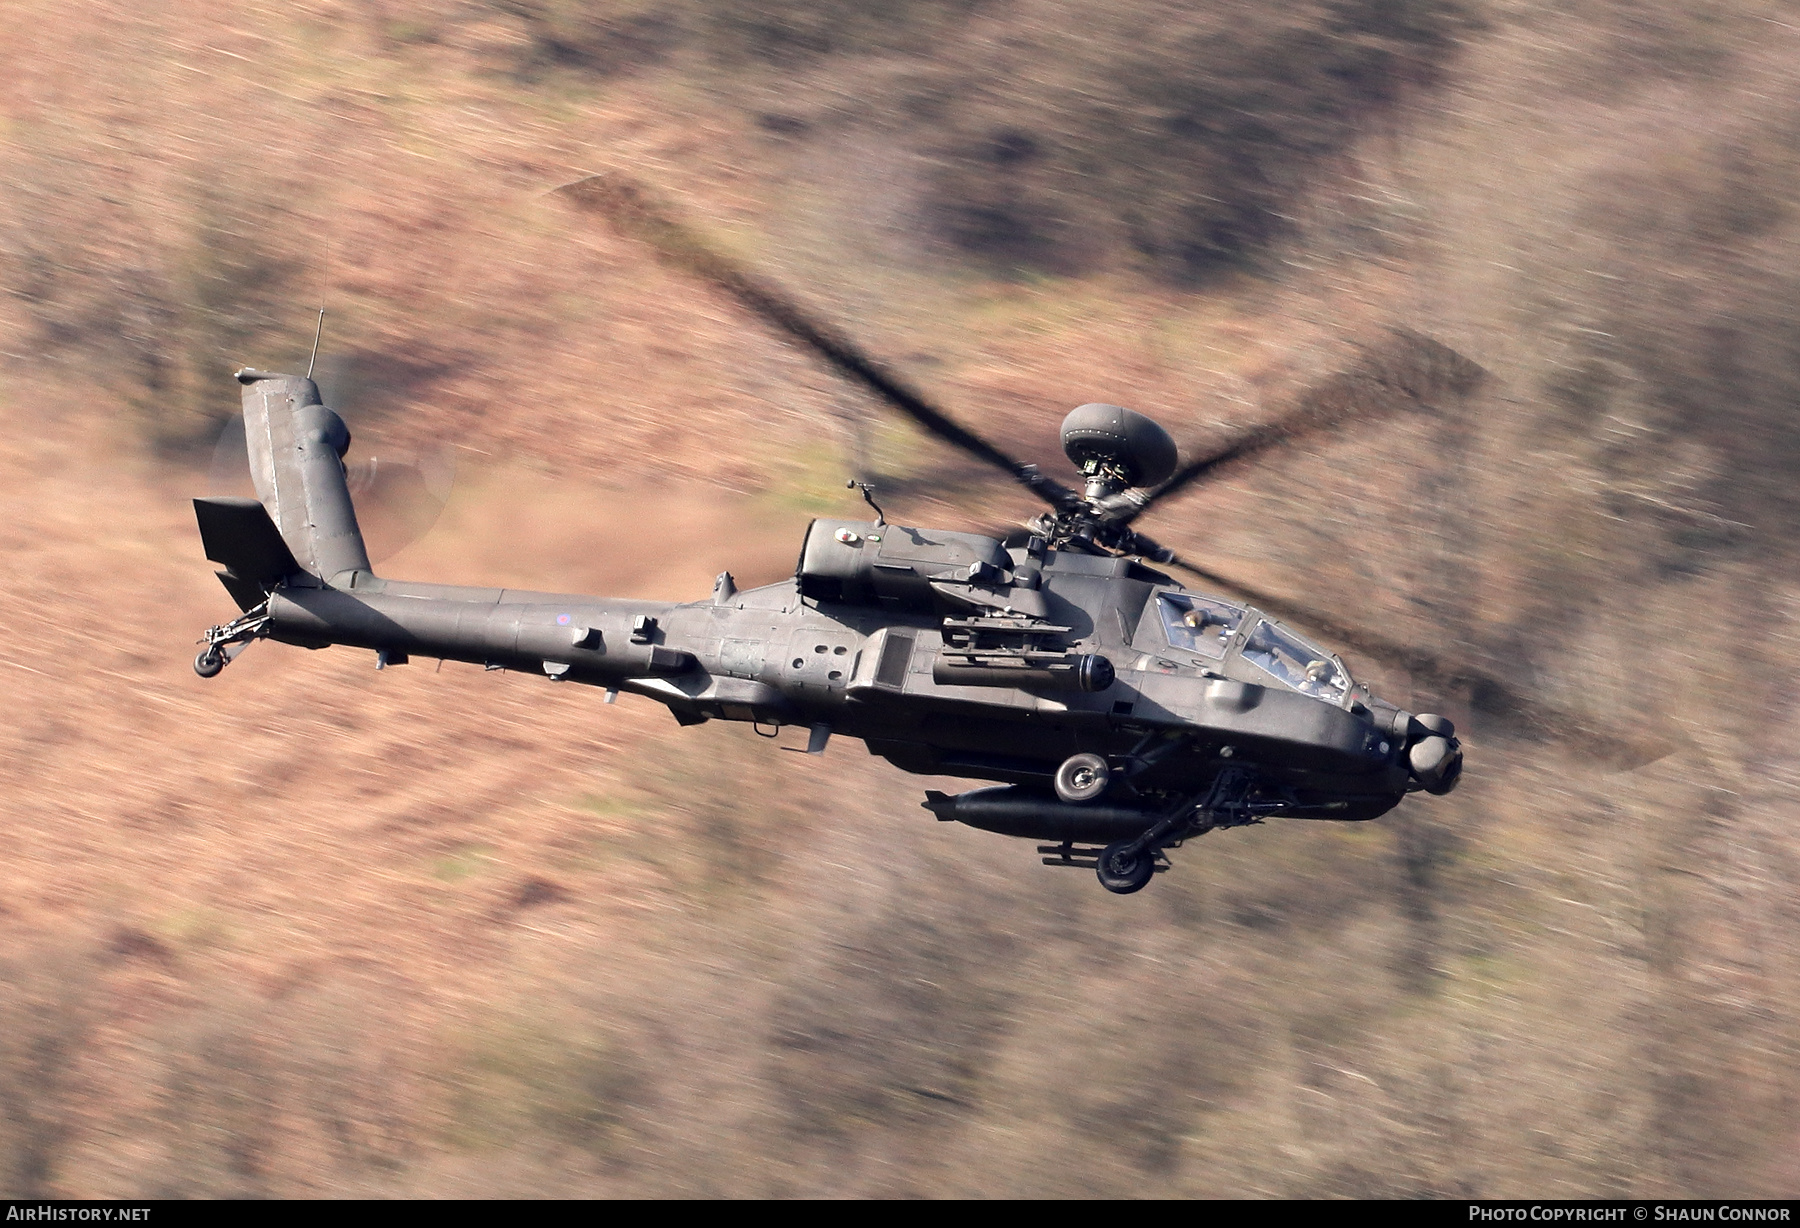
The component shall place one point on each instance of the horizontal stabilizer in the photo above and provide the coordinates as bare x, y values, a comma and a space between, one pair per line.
239, 534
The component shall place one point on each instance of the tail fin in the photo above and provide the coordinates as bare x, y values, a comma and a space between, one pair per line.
297, 449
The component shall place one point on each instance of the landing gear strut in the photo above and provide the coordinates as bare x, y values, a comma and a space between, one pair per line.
1126, 866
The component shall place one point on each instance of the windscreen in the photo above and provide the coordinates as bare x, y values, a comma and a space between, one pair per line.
1309, 670
1202, 625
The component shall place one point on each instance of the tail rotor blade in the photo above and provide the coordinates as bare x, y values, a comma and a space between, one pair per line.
399, 496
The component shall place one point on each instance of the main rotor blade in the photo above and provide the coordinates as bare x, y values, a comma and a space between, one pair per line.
1519, 713
631, 208
1406, 368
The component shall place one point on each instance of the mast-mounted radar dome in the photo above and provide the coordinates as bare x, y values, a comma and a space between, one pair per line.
1100, 437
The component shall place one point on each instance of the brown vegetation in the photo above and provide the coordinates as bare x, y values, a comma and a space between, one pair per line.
309, 929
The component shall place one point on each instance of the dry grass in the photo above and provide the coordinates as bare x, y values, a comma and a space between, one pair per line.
309, 929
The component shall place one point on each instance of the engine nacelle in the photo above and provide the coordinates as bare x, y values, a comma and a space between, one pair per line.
858, 562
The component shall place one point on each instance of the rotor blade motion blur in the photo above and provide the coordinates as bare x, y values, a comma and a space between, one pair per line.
1421, 665
1495, 699
399, 493
631, 209
1406, 368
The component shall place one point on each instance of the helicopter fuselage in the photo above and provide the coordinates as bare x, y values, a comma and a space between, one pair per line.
1111, 704
955, 677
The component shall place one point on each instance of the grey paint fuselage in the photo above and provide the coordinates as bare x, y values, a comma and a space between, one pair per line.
773, 656
945, 652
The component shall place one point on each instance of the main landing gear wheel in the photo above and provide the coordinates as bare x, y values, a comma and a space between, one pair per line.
1082, 778
209, 663
1122, 871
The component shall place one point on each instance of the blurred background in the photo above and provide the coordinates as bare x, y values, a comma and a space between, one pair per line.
310, 929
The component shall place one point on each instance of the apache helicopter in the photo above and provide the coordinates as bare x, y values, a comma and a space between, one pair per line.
1120, 712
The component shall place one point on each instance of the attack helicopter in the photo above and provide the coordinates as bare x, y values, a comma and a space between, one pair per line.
1115, 712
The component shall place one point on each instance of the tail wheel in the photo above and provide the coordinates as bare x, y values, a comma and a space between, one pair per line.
1082, 778
1123, 871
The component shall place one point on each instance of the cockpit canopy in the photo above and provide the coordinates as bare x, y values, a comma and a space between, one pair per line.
1200, 625
1209, 627
1306, 667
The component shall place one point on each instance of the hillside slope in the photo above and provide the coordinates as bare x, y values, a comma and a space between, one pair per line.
313, 929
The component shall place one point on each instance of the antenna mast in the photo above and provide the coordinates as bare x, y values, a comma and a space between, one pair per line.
317, 333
